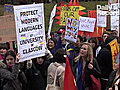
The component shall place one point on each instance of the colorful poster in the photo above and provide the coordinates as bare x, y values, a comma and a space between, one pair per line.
30, 31
87, 24
98, 31
72, 10
101, 19
72, 28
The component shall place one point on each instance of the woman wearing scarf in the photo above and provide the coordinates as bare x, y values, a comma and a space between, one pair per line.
86, 66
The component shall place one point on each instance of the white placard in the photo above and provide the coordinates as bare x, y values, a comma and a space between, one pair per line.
51, 20
115, 17
101, 19
72, 29
30, 30
87, 24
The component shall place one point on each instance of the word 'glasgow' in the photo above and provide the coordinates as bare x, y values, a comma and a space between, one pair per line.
37, 48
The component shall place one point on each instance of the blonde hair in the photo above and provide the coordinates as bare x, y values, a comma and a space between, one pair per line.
89, 52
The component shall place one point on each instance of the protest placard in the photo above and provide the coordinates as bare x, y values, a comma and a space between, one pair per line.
115, 17
30, 30
101, 18
72, 29
87, 24
7, 29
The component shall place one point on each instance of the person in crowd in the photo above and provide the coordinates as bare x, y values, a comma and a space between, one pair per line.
102, 45
9, 79
3, 50
51, 44
86, 66
61, 35
115, 33
104, 59
57, 64
37, 73
75, 50
114, 78
21, 80
93, 42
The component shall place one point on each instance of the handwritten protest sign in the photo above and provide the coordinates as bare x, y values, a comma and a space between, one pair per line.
71, 12
115, 17
101, 19
72, 29
7, 28
87, 24
30, 31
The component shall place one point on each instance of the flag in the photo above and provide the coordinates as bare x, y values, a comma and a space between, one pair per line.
114, 49
69, 81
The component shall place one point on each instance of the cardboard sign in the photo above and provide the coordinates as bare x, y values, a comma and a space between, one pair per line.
72, 29
87, 24
7, 28
8, 9
30, 30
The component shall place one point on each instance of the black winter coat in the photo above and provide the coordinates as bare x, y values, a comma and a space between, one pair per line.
104, 59
10, 79
36, 77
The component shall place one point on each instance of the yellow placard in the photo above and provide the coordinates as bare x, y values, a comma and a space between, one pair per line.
71, 12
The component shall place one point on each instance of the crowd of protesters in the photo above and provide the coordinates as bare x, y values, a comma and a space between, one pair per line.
86, 57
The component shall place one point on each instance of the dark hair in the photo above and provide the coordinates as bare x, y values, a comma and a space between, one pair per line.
3, 46
81, 39
10, 52
109, 39
106, 33
54, 40
94, 40
59, 56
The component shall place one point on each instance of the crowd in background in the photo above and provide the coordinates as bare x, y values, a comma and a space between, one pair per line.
86, 56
